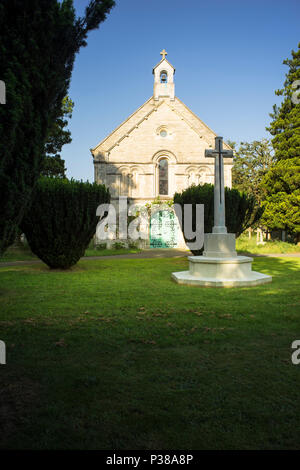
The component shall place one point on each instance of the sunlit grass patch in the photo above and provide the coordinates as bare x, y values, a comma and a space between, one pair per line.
113, 354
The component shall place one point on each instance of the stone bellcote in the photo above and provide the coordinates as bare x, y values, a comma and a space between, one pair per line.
163, 72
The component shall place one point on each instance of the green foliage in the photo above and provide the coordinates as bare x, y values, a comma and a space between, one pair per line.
38, 43
164, 204
62, 219
58, 136
282, 196
284, 176
53, 166
241, 208
282, 211
246, 245
285, 126
99, 246
251, 162
118, 246
282, 183
133, 245
281, 186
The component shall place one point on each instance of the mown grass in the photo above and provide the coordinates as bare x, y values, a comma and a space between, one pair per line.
23, 253
17, 253
244, 244
110, 252
113, 355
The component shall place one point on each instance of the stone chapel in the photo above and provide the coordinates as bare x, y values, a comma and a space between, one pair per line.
157, 151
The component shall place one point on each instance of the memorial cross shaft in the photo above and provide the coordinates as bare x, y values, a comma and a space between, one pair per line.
218, 153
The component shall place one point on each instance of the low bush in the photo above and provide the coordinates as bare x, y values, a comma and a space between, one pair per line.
61, 220
242, 210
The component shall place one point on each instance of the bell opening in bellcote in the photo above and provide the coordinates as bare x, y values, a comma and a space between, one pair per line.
163, 77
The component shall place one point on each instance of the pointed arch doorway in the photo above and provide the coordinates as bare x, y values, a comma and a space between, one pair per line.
163, 229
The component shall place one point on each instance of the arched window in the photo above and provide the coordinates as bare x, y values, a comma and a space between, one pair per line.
125, 183
163, 176
193, 178
163, 77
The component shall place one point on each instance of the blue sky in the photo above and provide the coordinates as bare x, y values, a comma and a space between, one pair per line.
227, 54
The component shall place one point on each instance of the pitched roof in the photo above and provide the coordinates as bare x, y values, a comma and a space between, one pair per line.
163, 60
143, 113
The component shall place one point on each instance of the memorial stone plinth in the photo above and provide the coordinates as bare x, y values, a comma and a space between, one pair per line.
219, 266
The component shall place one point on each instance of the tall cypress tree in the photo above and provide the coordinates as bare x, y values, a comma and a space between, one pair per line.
285, 126
282, 183
38, 43
58, 136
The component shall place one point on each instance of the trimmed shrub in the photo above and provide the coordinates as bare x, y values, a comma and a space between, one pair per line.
62, 219
118, 246
39, 40
242, 210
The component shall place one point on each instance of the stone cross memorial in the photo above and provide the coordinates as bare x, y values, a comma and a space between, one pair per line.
219, 243
218, 153
219, 266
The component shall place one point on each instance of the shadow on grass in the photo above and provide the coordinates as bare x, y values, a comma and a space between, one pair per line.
279, 265
118, 356
88, 389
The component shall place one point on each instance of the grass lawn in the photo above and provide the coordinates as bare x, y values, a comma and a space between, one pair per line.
110, 252
23, 253
113, 355
244, 244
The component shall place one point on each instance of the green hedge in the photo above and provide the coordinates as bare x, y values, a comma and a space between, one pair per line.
62, 219
242, 210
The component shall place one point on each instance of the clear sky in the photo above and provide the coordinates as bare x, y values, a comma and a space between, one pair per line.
227, 54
